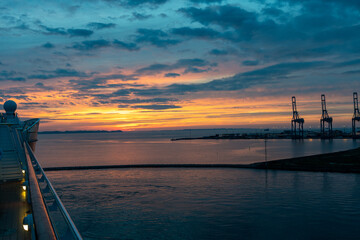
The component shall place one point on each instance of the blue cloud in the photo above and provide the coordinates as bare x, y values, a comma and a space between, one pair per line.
99, 25
172, 75
60, 72
125, 46
138, 100
156, 106
140, 16
224, 15
157, 38
195, 65
206, 1
80, 32
250, 62
55, 31
72, 32
101, 43
136, 3
11, 76
91, 44
218, 52
48, 45
270, 74
205, 33
40, 85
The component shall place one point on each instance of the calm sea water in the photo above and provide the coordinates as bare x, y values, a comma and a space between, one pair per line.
199, 203
211, 204
155, 147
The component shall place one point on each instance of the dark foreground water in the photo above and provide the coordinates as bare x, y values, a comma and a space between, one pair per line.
199, 203
211, 204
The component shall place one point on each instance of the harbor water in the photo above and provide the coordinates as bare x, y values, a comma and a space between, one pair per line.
183, 203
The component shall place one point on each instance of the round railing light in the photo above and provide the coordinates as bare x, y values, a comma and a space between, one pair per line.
28, 222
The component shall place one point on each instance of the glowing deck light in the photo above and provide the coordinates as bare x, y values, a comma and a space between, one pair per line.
26, 227
23, 171
23, 195
24, 185
27, 222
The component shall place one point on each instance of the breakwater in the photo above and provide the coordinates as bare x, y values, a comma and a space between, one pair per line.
282, 135
343, 161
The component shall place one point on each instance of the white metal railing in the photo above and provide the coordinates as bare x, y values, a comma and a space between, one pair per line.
63, 226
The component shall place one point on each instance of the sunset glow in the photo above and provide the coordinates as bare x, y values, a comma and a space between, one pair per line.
131, 65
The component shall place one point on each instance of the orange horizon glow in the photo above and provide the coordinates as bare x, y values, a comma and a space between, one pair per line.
62, 109
211, 112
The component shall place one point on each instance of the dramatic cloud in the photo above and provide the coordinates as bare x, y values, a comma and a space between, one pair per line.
137, 100
156, 107
157, 38
101, 43
178, 57
33, 105
172, 75
57, 74
239, 81
250, 62
218, 52
40, 85
194, 65
72, 32
125, 46
135, 3
48, 45
79, 32
206, 1
139, 16
11, 76
206, 33
100, 82
99, 25
225, 16
91, 45
55, 31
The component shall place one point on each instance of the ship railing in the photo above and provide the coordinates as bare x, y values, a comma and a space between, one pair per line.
30, 129
62, 225
30, 123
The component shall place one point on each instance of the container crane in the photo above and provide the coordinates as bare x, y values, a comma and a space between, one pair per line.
325, 120
297, 123
356, 116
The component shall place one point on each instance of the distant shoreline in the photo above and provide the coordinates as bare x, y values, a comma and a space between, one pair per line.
282, 135
78, 131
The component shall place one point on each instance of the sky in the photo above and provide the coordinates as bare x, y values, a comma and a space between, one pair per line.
170, 64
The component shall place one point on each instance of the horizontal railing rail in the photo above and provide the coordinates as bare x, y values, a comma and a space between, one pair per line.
64, 227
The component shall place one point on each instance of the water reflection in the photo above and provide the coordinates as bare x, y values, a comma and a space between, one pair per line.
120, 148
211, 203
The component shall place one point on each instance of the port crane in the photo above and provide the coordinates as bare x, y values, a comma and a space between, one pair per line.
325, 118
297, 123
356, 116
